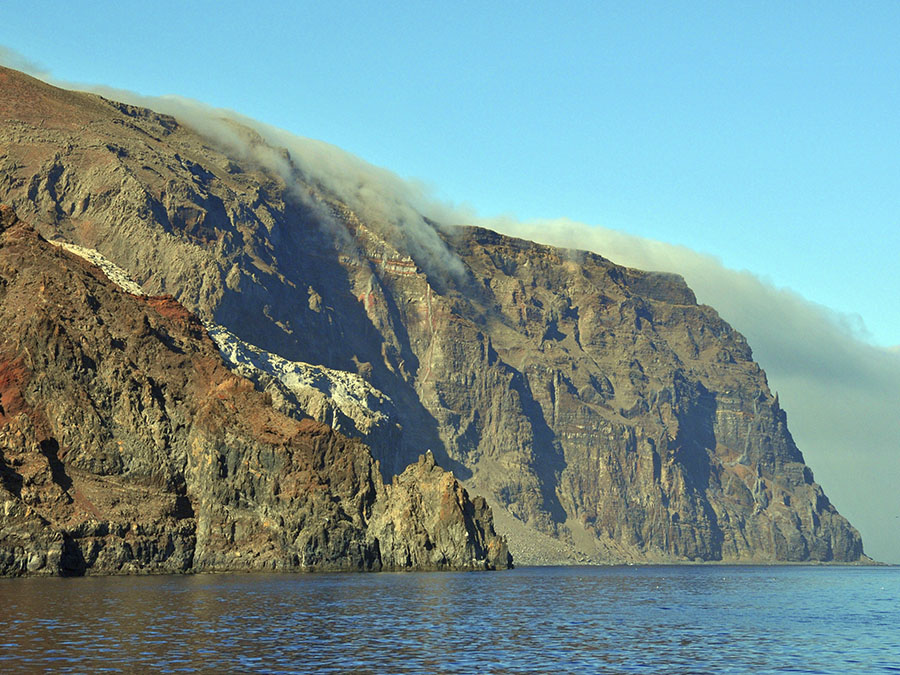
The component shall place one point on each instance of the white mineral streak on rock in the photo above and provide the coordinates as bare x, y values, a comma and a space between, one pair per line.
343, 400
343, 392
113, 272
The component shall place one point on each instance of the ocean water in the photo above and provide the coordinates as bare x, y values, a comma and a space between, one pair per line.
667, 619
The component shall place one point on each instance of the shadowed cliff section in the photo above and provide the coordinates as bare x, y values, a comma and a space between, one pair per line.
596, 405
126, 446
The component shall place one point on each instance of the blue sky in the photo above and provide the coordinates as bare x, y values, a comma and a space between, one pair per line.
764, 133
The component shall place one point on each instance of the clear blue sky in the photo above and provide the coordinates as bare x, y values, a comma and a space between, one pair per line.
766, 133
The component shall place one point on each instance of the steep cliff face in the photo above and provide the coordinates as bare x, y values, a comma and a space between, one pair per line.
345, 401
650, 428
126, 446
594, 404
428, 519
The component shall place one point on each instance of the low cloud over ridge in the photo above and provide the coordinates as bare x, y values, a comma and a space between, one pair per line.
842, 394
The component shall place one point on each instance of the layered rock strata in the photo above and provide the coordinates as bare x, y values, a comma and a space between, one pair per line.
126, 446
595, 406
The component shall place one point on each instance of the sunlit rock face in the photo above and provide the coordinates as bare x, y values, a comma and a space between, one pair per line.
127, 446
596, 407
345, 401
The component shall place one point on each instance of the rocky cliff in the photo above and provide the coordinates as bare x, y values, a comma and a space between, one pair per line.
126, 446
600, 409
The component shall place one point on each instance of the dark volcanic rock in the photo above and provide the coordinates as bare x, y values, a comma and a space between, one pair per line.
429, 522
646, 422
126, 446
597, 405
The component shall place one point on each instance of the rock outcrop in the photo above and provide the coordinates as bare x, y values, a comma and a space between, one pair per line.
429, 522
595, 406
345, 401
126, 446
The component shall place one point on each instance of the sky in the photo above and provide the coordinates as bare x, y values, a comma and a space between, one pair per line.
752, 147
763, 133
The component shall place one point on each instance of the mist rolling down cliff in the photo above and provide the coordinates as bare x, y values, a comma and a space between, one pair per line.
602, 412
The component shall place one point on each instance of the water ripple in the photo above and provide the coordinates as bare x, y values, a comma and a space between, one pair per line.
561, 620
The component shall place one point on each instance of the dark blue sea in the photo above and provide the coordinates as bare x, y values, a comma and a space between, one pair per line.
671, 619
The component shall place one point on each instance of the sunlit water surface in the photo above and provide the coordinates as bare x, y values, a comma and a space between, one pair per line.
687, 619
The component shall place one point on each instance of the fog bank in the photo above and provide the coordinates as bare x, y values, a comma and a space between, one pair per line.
842, 394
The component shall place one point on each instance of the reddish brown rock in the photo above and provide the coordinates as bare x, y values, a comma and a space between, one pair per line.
126, 446
592, 404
